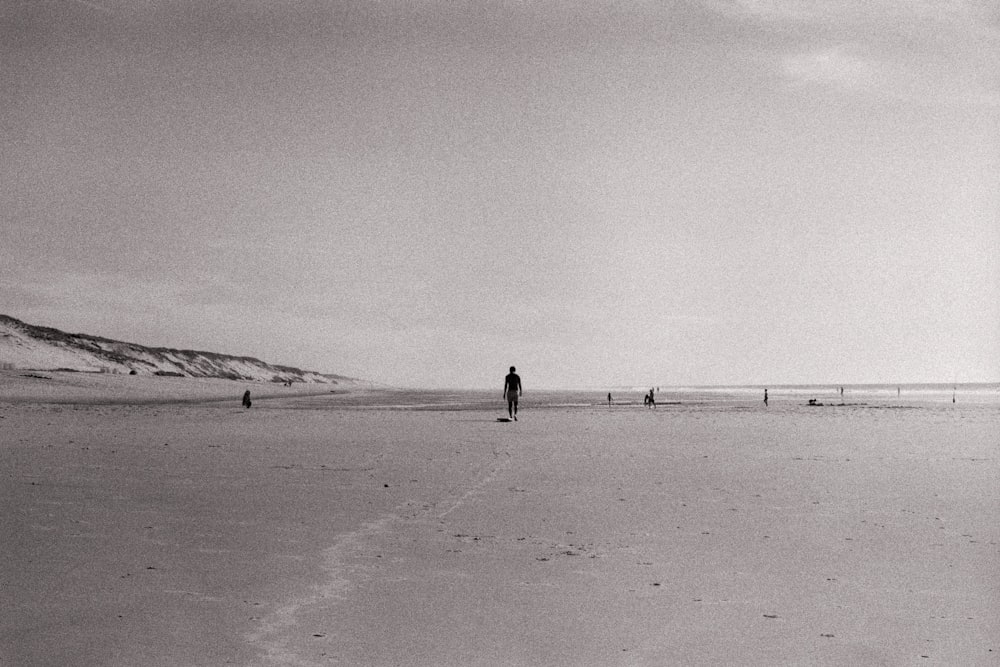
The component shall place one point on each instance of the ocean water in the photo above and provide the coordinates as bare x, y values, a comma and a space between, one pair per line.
873, 395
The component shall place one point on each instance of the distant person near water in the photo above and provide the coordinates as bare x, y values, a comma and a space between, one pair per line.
765, 398
609, 398
246, 399
652, 399
511, 390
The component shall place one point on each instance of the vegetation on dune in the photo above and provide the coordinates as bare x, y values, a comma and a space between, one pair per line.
97, 354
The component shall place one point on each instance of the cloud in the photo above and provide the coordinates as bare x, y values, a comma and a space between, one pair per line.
919, 51
94, 6
835, 66
786, 11
920, 80
902, 15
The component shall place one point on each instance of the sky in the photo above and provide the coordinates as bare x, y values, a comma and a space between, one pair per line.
424, 193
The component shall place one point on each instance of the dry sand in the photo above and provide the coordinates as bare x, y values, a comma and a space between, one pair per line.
318, 531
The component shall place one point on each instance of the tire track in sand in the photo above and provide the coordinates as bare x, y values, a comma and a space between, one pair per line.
275, 638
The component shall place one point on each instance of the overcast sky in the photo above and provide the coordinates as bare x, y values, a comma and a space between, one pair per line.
425, 193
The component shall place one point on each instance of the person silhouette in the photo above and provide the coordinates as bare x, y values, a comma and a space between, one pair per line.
765, 398
511, 389
246, 399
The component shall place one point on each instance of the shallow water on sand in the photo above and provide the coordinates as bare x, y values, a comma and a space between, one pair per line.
783, 396
711, 530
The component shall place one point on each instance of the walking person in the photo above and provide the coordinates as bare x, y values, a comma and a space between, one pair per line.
511, 390
246, 399
765, 397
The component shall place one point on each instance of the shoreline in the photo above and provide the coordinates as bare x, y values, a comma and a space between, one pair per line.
68, 387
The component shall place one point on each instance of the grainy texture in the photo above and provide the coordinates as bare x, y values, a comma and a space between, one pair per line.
328, 530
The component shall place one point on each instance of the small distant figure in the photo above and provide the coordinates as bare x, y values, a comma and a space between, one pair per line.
899, 391
651, 399
511, 390
765, 397
841, 392
246, 399
609, 398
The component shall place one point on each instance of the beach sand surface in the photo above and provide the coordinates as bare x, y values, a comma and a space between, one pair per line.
325, 529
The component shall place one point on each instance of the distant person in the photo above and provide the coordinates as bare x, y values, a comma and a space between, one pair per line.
511, 390
765, 398
609, 398
246, 399
652, 400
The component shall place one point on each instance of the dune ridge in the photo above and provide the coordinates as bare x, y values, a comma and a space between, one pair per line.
30, 347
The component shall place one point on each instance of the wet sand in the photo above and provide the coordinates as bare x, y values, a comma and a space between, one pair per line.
319, 531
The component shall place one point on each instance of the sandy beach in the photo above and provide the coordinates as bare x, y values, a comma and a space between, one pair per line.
153, 521
777, 218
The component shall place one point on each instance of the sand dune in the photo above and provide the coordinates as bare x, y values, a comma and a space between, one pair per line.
27, 346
